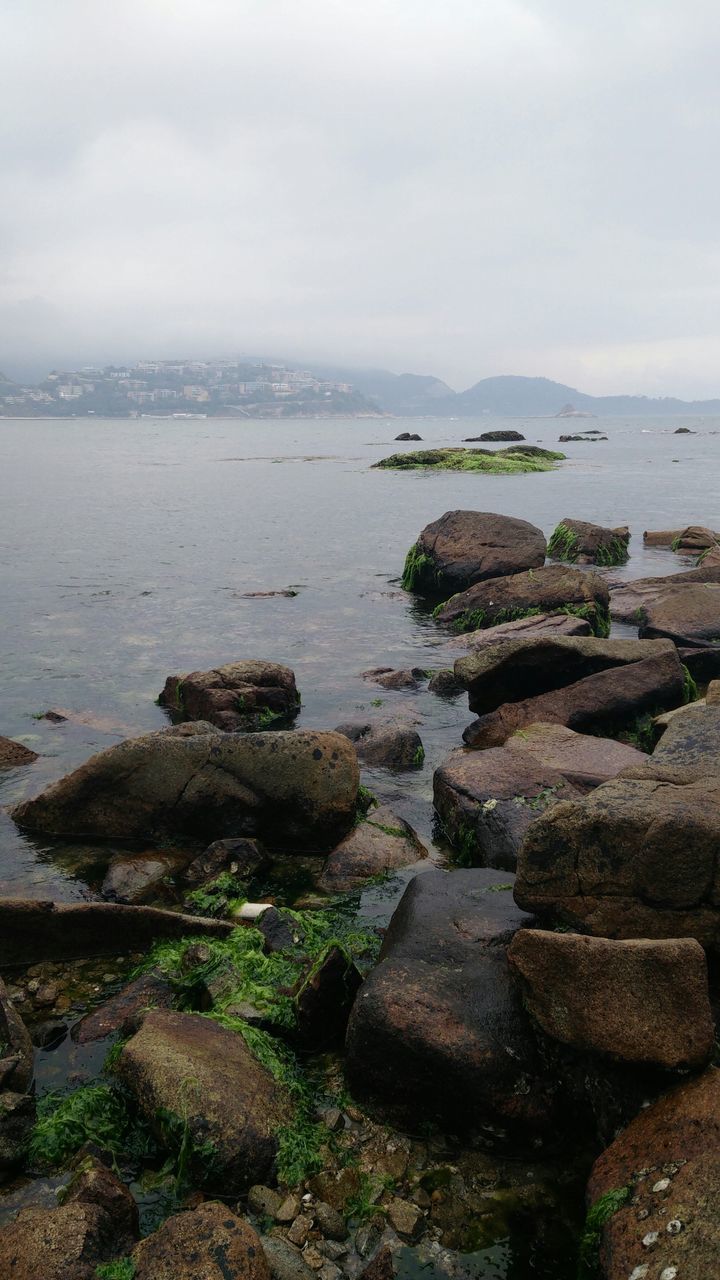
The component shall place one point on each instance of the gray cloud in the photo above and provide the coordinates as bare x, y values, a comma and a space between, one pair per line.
465, 189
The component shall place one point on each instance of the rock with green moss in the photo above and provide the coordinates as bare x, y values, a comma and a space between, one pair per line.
464, 547
500, 462
249, 695
206, 1097
289, 788
389, 745
382, 842
580, 542
550, 589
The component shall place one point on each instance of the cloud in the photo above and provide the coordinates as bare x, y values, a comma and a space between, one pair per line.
462, 189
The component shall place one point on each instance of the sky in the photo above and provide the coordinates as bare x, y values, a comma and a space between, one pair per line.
457, 187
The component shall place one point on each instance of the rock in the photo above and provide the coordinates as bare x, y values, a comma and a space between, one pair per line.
122, 1012
394, 746
580, 542
541, 624
556, 588
688, 614
669, 1159
712, 694
388, 678
16, 1047
300, 1230
580, 439
17, 1117
408, 435
609, 702
444, 684
382, 842
36, 930
324, 1000
637, 856
497, 436
641, 1001
709, 559
694, 539
516, 670
294, 788
284, 1260
464, 547
66, 1243
264, 1201
330, 1222
583, 759
50, 1034
94, 1183
486, 801
14, 753
437, 1027
244, 858
192, 1068
288, 1210
629, 598
210, 1243
684, 431
404, 1217
241, 695
134, 877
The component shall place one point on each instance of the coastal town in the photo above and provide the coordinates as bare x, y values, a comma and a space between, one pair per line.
182, 388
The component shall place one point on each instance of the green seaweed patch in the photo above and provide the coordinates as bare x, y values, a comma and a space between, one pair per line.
92, 1113
120, 1269
563, 544
486, 461
612, 553
598, 1215
690, 689
418, 567
224, 894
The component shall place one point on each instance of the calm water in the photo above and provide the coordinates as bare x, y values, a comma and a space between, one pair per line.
126, 549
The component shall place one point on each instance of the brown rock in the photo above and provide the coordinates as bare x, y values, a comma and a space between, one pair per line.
583, 759
539, 624
324, 1000
590, 543
210, 1243
122, 1012
289, 787
245, 858
134, 877
382, 842
637, 1000
58, 1244
464, 547
554, 588
195, 1069
607, 702
95, 1184
237, 696
630, 597
687, 613
394, 746
669, 1158
389, 678
404, 1217
14, 753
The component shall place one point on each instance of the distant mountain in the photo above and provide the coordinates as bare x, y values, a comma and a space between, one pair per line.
517, 397
406, 394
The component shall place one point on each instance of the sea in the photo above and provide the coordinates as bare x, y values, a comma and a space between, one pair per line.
132, 549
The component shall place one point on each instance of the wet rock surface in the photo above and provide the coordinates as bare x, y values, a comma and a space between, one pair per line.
298, 787
639, 1001
389, 745
14, 753
629, 597
688, 613
239, 696
554, 588
541, 624
209, 1243
464, 547
69, 1241
382, 842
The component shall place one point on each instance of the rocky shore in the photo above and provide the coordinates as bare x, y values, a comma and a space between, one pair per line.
202, 1077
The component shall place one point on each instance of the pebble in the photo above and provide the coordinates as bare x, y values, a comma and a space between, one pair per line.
334, 1119
405, 1217
313, 1257
330, 1221
263, 1200
639, 1273
366, 1240
333, 1249
300, 1230
668, 1273
46, 994
329, 1271
288, 1209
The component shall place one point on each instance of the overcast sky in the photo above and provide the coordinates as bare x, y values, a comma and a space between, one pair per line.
457, 187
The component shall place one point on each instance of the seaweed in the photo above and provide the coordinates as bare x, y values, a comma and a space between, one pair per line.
600, 1213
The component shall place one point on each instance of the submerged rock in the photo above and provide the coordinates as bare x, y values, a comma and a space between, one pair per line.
494, 436
659, 1183
241, 695
134, 877
210, 1243
381, 842
187, 1072
640, 1001
438, 1028
288, 787
580, 542
14, 753
552, 589
389, 678
464, 547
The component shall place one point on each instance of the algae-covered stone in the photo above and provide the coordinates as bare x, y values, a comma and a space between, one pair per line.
464, 547
552, 589
580, 542
241, 695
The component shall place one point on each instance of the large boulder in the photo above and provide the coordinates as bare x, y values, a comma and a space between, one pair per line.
464, 547
522, 668
486, 801
190, 1075
640, 1001
653, 1194
585, 760
630, 597
14, 753
553, 589
211, 1243
294, 788
608, 702
638, 856
242, 695
66, 1243
438, 1028
382, 842
689, 541
579, 542
688, 613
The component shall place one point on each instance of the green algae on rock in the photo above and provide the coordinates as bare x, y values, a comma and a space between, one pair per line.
502, 462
